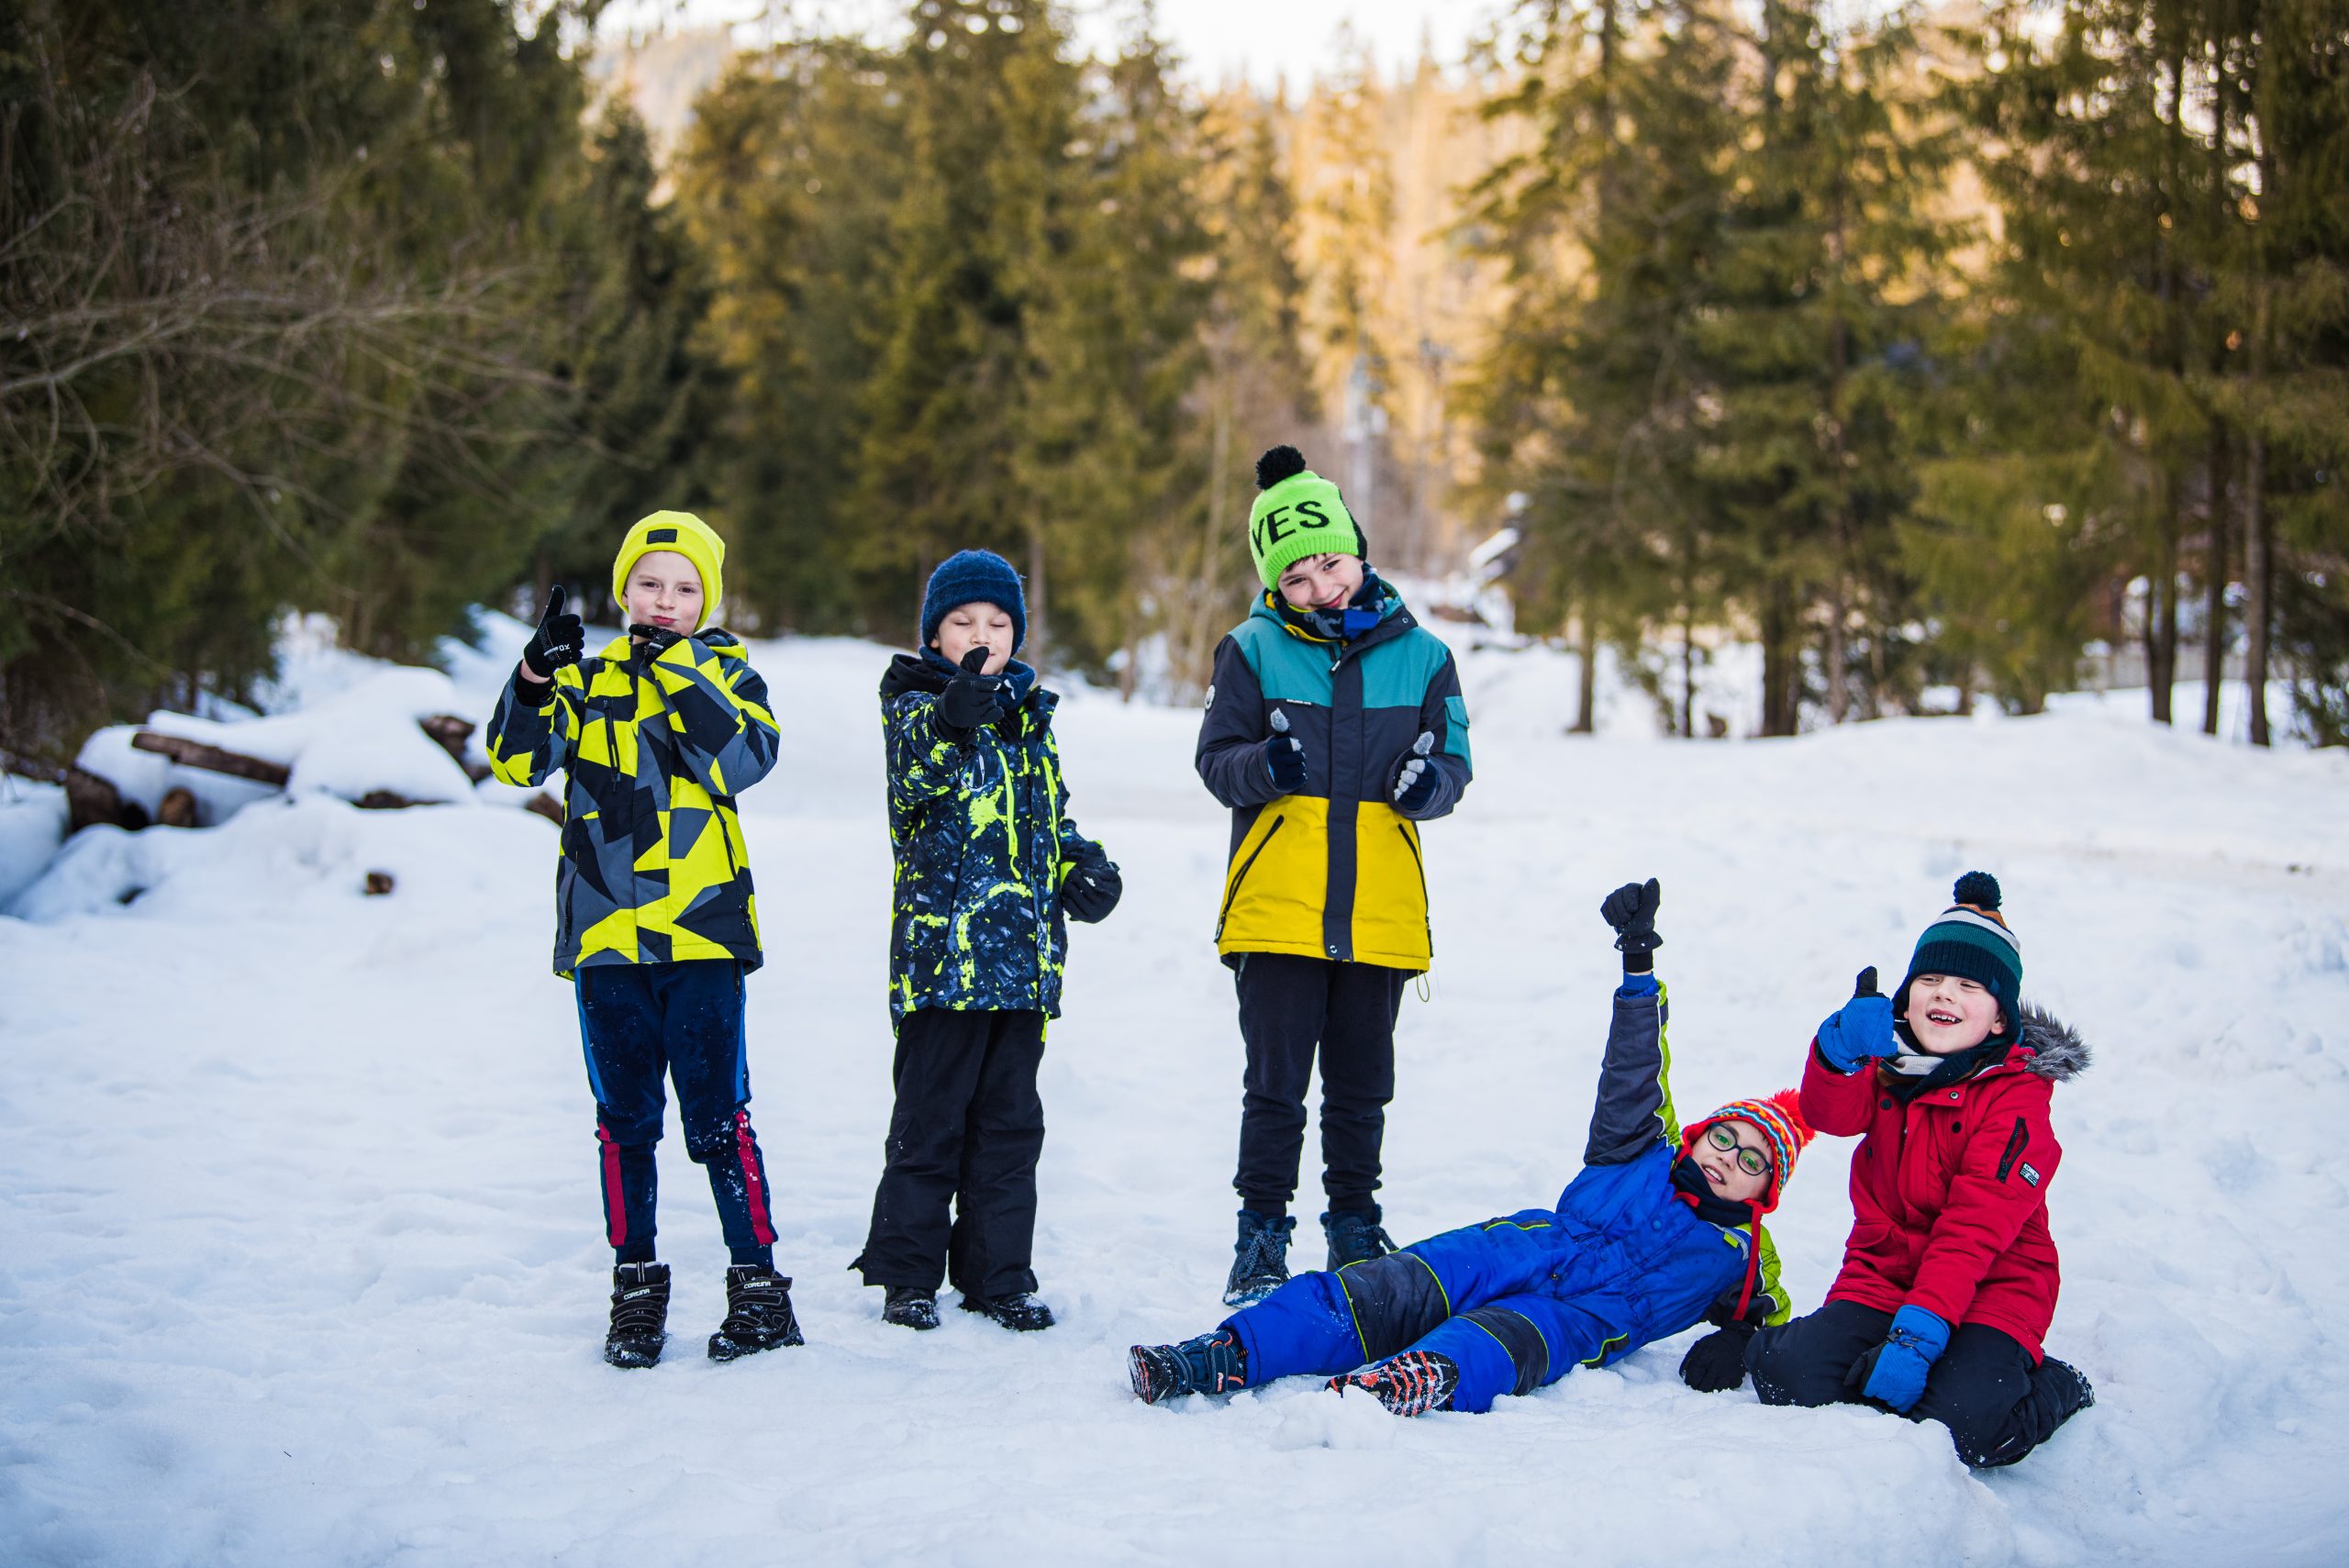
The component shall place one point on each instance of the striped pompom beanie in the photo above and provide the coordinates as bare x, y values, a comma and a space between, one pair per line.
1780, 1120
1972, 941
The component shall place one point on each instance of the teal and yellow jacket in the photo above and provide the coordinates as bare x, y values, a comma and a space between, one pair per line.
979, 823
652, 867
1334, 872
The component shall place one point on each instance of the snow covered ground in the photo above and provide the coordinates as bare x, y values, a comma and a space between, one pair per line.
301, 1261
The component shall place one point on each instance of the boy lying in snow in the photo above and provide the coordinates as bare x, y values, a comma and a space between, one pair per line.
1949, 1278
1660, 1228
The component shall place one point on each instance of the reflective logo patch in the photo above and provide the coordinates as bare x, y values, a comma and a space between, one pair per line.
2030, 1175
1210, 702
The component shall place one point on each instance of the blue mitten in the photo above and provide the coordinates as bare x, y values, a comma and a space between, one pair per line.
1893, 1373
1860, 1031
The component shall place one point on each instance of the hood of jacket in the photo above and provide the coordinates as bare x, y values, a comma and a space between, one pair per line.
2054, 1049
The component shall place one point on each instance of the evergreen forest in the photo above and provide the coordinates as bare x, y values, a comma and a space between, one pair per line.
1923, 351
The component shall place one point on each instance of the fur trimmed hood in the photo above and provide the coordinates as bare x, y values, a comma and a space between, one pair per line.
2057, 1053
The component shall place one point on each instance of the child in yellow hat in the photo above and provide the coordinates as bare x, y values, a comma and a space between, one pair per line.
655, 924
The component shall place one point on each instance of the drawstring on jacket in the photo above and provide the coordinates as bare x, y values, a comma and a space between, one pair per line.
1753, 1256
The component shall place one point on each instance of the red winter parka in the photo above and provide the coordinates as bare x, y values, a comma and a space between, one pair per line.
1949, 1190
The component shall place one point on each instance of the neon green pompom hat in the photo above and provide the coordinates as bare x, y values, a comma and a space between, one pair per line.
1297, 513
689, 537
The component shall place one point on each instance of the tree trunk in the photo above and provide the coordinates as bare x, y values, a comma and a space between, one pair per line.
1688, 670
1038, 643
2259, 584
2161, 616
1781, 668
1587, 684
2214, 589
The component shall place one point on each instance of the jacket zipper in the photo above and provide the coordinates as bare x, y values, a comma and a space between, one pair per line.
1245, 865
1425, 918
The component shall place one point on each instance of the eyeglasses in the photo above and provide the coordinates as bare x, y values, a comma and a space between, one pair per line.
1750, 1159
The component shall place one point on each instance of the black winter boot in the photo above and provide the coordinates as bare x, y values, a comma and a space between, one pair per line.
1018, 1310
758, 1313
910, 1307
640, 1314
1212, 1363
1409, 1385
1354, 1239
1260, 1258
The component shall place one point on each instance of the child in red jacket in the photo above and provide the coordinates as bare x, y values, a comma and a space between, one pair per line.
1950, 1276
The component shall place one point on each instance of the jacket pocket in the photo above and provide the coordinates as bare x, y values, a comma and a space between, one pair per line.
1232, 893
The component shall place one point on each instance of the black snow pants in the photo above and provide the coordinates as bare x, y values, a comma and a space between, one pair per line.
966, 1131
1289, 1006
1985, 1387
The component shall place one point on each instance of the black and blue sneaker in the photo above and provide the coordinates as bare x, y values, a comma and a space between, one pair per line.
1354, 1237
1212, 1363
1260, 1258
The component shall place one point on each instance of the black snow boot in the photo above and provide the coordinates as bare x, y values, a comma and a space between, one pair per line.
1018, 1310
1354, 1239
640, 1314
758, 1313
910, 1307
1259, 1258
2066, 1390
1212, 1363
1409, 1385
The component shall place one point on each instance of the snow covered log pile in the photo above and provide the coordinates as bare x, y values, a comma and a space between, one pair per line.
387, 743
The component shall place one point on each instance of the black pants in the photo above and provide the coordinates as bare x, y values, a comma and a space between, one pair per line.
1985, 1387
1287, 1007
966, 1130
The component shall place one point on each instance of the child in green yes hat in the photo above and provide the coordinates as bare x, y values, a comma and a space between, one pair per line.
1334, 726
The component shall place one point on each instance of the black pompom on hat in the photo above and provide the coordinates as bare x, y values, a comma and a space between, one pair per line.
1276, 464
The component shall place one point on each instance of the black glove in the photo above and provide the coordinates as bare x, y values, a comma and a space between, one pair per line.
971, 698
1415, 776
1630, 909
1092, 887
1716, 1364
657, 640
1285, 756
556, 643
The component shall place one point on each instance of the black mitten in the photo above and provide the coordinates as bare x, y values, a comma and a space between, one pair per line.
1716, 1364
969, 699
1092, 890
555, 644
657, 640
1630, 909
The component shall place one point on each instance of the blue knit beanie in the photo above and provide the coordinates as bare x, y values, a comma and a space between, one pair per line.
975, 576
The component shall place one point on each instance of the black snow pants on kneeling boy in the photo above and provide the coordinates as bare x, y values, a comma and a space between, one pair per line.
1985, 1387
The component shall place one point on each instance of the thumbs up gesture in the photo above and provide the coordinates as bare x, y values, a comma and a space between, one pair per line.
1416, 777
1859, 1031
557, 640
1285, 756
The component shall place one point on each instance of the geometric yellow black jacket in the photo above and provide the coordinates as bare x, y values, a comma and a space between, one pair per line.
653, 868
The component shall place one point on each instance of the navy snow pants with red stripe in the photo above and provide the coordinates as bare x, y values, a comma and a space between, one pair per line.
640, 1021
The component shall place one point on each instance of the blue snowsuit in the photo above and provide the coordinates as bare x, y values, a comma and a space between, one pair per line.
1520, 1301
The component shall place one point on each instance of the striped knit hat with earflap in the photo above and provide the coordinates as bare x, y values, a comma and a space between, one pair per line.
1972, 941
1784, 1133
